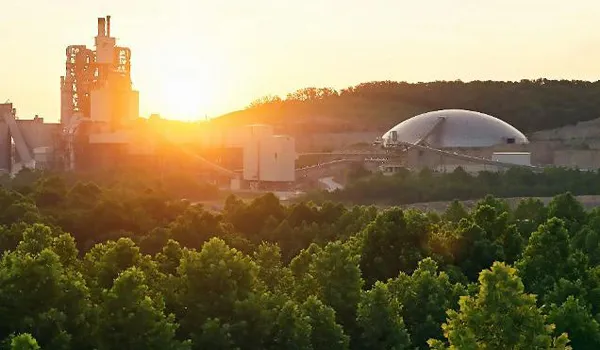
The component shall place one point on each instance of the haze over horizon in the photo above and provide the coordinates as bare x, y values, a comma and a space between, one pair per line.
217, 57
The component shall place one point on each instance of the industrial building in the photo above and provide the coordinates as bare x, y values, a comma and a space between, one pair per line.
100, 130
26, 143
454, 128
446, 139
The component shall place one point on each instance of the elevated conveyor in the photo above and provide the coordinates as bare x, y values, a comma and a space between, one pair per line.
23, 150
434, 128
472, 159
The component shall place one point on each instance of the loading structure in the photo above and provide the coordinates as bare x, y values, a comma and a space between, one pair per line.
26, 143
97, 98
446, 139
97, 83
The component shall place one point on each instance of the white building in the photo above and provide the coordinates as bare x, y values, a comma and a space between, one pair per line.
268, 157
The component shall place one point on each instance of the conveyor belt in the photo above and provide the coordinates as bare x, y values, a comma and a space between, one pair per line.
468, 158
20, 144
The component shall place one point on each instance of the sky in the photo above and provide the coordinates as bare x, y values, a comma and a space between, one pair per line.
193, 59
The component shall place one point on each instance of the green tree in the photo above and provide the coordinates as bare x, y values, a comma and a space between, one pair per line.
512, 243
548, 257
50, 191
11, 235
567, 208
293, 239
271, 271
529, 214
104, 262
339, 282
214, 282
354, 221
305, 284
38, 295
214, 335
291, 329
24, 342
493, 218
493, 221
574, 318
498, 205
380, 322
455, 212
592, 288
250, 219
131, 318
195, 226
37, 237
14, 208
588, 241
425, 296
254, 319
530, 209
302, 213
396, 241
326, 334
169, 257
473, 250
500, 316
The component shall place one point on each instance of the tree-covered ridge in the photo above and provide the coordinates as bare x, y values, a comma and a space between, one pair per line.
407, 187
529, 105
260, 275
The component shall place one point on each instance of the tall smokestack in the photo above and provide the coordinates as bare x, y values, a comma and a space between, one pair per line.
101, 27
108, 26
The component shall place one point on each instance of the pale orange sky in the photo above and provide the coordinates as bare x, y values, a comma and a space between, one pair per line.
217, 56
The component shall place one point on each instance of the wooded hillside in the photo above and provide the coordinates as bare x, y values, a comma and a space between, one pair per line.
529, 105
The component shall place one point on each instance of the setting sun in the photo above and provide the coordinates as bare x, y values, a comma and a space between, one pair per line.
178, 90
184, 95
184, 98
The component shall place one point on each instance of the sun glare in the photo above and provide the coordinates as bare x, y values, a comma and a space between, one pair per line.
183, 90
185, 98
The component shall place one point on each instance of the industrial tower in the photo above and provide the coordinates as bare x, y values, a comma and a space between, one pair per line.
96, 95
97, 84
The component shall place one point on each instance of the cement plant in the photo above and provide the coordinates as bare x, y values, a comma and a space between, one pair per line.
100, 129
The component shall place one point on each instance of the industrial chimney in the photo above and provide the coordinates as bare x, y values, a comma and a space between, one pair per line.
101, 27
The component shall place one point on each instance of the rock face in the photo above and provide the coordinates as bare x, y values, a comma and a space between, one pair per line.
583, 133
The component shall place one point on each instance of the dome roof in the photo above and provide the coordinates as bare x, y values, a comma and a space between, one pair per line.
454, 128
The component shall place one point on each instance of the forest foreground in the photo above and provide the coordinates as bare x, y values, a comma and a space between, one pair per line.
88, 266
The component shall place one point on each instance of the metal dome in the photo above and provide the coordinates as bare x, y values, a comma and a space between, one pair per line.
454, 128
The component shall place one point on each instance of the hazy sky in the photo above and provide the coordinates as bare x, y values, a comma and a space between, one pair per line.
216, 56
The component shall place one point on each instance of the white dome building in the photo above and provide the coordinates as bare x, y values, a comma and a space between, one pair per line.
453, 128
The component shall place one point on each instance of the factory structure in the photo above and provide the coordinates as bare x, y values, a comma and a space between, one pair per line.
447, 139
100, 130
